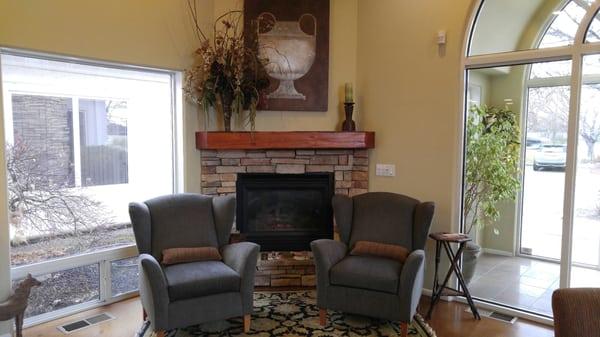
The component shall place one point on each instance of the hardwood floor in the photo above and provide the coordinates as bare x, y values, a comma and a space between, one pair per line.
128, 320
449, 320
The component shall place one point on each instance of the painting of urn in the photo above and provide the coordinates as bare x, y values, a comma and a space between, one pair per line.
292, 37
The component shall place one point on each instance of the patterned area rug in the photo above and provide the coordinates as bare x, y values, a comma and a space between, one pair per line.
296, 314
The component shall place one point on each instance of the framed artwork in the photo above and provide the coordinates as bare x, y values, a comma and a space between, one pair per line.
293, 36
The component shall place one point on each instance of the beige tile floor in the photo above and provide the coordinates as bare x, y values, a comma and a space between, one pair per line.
524, 283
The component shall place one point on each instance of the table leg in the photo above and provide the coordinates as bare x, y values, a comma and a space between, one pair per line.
437, 287
461, 282
435, 279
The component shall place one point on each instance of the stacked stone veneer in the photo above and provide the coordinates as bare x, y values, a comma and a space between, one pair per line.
220, 168
285, 270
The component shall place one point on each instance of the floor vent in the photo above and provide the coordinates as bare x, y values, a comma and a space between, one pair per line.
86, 322
495, 315
526, 251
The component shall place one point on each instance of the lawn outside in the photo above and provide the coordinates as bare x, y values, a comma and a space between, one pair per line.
77, 285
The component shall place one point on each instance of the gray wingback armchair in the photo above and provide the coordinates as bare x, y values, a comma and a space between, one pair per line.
181, 295
373, 286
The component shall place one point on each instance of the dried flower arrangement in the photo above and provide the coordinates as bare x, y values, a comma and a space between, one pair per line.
228, 74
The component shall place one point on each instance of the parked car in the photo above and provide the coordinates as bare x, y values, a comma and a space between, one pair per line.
550, 156
533, 143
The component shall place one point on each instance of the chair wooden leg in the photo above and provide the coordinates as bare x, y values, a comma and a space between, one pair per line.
404, 329
322, 316
246, 323
160, 333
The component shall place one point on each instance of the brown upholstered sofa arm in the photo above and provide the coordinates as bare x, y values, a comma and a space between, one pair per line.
576, 312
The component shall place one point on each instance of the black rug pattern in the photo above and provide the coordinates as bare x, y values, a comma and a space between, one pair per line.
296, 314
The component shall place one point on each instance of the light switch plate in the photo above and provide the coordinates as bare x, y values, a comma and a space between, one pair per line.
385, 170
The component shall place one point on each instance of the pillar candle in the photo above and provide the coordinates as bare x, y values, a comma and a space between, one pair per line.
349, 95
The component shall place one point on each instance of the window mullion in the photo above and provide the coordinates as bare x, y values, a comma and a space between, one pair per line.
519, 57
105, 281
570, 172
76, 141
585, 23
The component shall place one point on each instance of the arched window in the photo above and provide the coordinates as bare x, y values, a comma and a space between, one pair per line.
538, 62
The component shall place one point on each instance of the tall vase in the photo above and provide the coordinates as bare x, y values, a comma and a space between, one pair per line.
226, 102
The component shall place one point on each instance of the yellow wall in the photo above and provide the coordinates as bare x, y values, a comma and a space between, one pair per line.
409, 93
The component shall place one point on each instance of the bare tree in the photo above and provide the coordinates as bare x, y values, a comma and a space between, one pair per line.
561, 34
40, 199
589, 125
549, 112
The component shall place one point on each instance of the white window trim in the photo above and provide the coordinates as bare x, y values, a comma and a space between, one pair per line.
106, 256
575, 52
102, 257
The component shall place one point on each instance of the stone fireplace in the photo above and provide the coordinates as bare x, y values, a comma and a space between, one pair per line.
304, 170
220, 168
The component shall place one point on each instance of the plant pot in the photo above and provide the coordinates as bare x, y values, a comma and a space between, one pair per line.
471, 253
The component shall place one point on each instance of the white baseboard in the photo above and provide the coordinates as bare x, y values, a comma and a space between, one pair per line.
495, 307
498, 252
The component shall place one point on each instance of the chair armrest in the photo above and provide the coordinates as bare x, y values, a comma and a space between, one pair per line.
242, 258
326, 253
411, 284
153, 290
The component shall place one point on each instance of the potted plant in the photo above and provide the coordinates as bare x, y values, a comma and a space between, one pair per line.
491, 171
228, 74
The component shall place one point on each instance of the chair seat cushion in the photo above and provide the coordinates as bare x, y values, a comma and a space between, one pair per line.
367, 272
197, 279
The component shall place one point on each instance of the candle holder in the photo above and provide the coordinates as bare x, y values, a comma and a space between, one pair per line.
348, 124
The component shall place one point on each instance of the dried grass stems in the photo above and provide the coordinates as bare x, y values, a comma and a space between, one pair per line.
227, 75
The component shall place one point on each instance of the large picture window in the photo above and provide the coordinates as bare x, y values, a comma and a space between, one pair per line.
82, 141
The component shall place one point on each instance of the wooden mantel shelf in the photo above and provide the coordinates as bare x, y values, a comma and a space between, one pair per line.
264, 140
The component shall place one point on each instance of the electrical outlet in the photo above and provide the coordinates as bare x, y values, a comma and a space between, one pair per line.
385, 170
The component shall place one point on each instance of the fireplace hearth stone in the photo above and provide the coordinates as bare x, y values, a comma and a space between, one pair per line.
285, 269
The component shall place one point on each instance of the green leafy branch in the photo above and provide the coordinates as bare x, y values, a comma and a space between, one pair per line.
492, 163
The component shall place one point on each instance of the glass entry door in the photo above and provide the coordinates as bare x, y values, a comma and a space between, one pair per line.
543, 182
546, 236
585, 251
